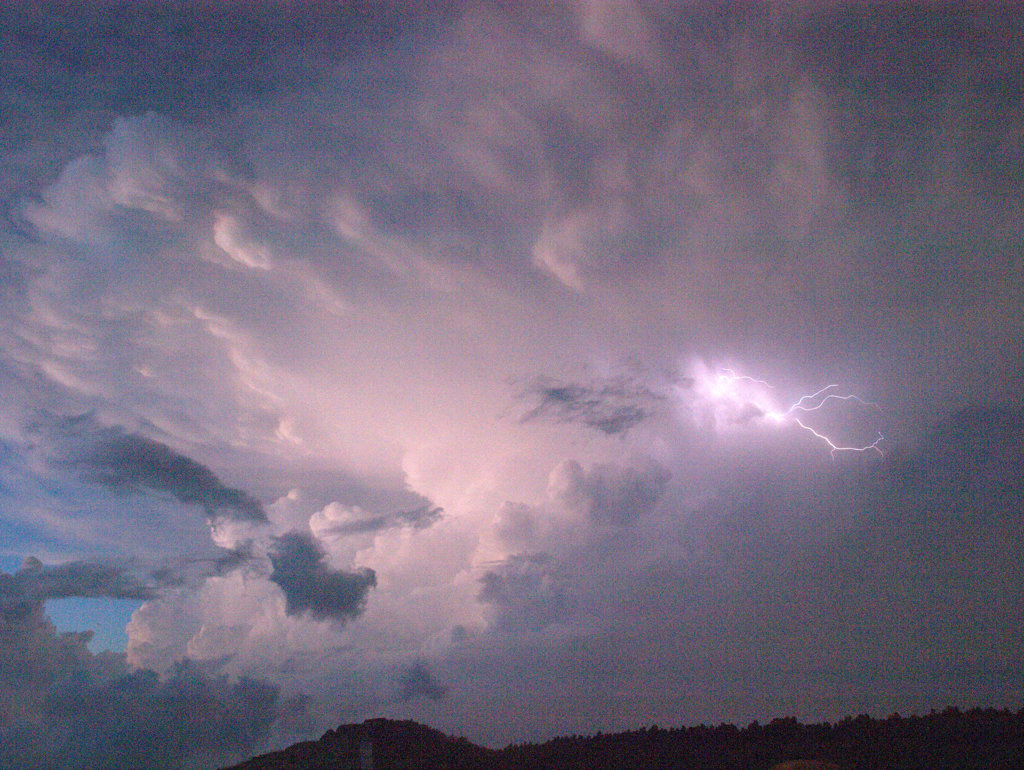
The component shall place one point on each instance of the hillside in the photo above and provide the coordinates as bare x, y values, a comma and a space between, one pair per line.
947, 740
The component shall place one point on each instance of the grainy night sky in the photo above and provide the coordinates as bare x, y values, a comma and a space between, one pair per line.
450, 366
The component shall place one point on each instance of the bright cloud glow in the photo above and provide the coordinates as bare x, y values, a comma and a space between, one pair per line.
723, 400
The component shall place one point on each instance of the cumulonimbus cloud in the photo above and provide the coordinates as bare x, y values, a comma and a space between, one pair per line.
327, 264
62, 706
610, 494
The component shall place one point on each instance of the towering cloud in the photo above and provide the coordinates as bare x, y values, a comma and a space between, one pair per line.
610, 494
62, 706
375, 352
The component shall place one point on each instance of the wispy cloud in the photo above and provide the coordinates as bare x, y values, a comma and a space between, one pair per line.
612, 407
132, 464
336, 521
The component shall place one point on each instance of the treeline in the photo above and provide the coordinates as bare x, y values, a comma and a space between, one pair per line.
947, 740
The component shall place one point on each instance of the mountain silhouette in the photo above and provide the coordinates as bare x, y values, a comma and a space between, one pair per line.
946, 740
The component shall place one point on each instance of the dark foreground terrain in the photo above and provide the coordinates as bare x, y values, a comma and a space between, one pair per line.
978, 738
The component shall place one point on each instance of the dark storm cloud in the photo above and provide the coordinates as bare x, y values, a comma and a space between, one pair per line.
529, 592
902, 63
186, 60
809, 188
867, 585
129, 463
418, 682
63, 707
908, 564
610, 494
34, 583
187, 716
310, 586
975, 439
613, 407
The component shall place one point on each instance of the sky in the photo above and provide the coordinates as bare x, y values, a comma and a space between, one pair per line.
521, 369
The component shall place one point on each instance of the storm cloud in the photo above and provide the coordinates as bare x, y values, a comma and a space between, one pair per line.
418, 682
477, 332
34, 583
310, 586
62, 706
610, 494
132, 464
529, 591
349, 524
612, 407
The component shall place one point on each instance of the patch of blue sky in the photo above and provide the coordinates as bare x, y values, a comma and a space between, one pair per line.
106, 618
10, 563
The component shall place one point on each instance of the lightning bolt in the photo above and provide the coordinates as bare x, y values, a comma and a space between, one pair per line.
725, 399
731, 375
823, 396
833, 448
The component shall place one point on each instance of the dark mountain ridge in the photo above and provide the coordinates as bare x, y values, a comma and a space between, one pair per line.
947, 740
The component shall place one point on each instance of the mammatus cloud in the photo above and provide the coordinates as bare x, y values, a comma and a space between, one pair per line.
132, 464
310, 586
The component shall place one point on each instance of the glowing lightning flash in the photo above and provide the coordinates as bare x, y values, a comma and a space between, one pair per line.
726, 399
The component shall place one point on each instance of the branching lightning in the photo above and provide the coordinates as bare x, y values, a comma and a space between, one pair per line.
724, 399
823, 396
730, 374
833, 448
800, 403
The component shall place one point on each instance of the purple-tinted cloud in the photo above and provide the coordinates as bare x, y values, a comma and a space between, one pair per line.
324, 273
310, 586
131, 464
418, 682
65, 707
612, 407
34, 583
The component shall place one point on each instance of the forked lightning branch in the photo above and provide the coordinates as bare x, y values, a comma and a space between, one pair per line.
723, 400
